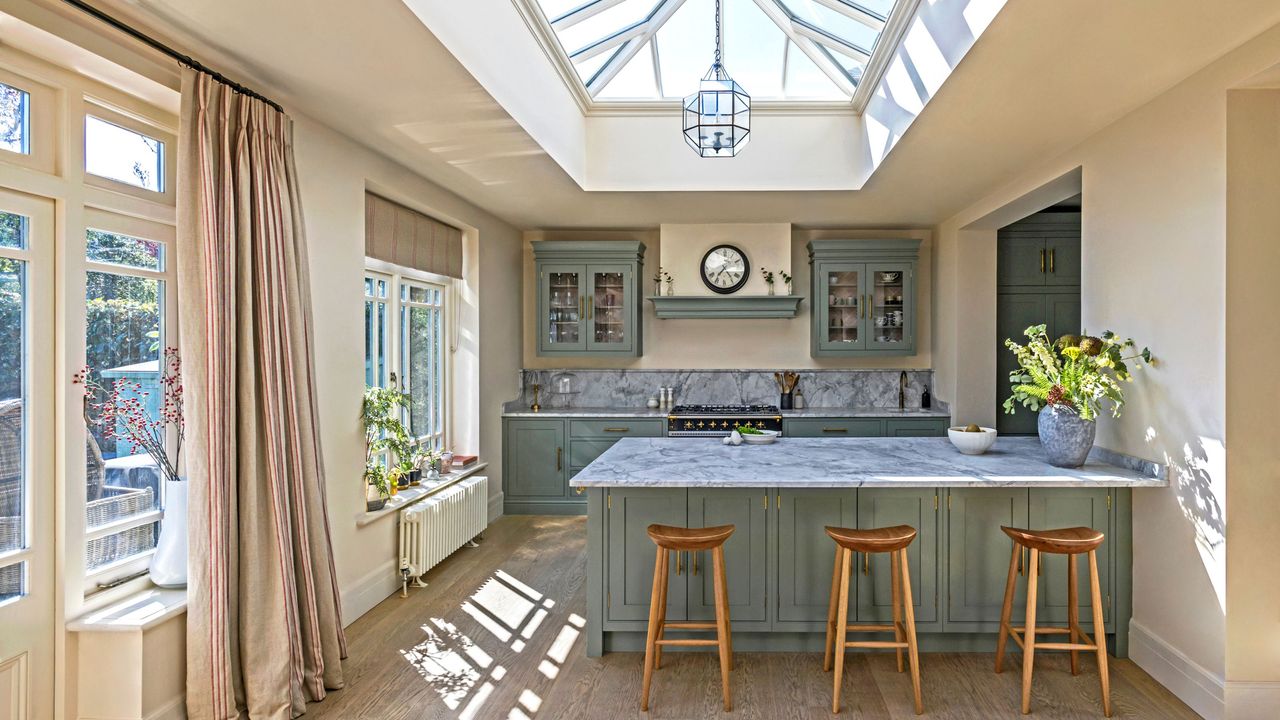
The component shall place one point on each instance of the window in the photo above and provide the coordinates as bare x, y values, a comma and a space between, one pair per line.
125, 335
13, 412
117, 153
407, 331
15, 119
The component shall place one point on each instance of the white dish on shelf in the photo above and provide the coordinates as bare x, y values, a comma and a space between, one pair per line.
766, 437
972, 443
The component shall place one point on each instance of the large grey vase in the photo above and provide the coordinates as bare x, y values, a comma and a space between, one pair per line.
1066, 438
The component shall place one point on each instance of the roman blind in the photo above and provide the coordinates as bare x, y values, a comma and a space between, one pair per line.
393, 233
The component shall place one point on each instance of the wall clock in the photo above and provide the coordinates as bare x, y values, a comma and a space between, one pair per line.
724, 269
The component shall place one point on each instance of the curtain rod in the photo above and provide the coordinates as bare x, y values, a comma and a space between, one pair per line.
157, 45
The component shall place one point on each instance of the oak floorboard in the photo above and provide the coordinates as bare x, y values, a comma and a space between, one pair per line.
468, 646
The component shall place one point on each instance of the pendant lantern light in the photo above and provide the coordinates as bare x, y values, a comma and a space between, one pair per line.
717, 118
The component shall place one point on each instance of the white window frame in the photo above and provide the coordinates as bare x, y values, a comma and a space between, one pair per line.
396, 277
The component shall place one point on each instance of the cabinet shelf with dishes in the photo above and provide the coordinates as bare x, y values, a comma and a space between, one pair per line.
587, 299
863, 297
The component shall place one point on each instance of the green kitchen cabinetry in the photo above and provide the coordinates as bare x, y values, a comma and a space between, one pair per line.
806, 554
632, 555
863, 300
746, 566
588, 299
886, 507
541, 455
865, 427
1073, 507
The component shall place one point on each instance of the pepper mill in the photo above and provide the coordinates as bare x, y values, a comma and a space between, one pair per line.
535, 406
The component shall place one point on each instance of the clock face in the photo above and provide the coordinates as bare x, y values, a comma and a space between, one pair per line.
724, 269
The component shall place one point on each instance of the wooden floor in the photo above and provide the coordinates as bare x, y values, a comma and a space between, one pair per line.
498, 634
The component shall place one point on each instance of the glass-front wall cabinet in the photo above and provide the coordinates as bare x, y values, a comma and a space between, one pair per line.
587, 297
864, 297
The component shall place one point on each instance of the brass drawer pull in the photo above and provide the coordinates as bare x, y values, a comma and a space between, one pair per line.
1042, 261
617, 429
679, 563
559, 452
1051, 260
835, 430
866, 563
695, 562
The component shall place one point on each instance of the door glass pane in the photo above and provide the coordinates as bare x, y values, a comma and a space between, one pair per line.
15, 120
887, 309
608, 311
565, 308
12, 415
844, 307
123, 346
120, 154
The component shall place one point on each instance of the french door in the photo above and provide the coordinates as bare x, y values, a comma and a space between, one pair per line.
27, 480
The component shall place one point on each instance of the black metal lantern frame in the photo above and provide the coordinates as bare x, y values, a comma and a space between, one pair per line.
717, 118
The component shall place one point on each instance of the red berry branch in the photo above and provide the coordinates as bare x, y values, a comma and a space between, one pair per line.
121, 414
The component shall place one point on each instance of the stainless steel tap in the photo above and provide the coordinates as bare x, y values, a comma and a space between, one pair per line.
902, 390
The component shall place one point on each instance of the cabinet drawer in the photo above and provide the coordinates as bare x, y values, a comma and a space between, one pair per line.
583, 451
834, 427
615, 428
916, 427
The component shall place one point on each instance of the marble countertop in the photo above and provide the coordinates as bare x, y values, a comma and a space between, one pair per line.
828, 412
841, 462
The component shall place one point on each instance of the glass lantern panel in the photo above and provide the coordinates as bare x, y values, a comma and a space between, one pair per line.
888, 312
608, 308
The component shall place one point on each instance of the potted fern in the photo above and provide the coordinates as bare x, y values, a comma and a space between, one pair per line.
1068, 382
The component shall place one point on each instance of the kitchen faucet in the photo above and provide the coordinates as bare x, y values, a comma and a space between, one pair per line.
902, 390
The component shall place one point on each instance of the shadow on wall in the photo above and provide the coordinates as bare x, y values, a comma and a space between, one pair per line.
937, 38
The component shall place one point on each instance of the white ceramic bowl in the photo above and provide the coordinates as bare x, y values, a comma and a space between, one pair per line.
971, 443
765, 437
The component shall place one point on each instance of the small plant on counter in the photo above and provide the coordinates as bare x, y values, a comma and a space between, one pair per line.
1077, 373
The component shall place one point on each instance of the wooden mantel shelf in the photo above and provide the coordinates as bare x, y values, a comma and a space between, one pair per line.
718, 307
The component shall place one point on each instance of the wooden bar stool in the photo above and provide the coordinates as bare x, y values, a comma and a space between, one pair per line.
669, 540
1070, 542
892, 540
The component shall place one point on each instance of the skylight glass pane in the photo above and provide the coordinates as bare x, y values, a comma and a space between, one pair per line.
753, 47
555, 8
851, 65
833, 22
880, 7
635, 80
120, 154
588, 68
805, 81
604, 24
15, 119
686, 47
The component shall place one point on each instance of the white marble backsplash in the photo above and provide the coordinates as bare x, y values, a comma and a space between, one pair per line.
623, 388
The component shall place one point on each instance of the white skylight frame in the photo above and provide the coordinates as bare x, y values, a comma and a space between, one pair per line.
817, 45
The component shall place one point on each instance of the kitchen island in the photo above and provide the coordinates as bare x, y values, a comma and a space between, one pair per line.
778, 562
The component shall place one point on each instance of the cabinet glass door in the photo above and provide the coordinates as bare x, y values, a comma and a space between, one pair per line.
609, 303
845, 324
564, 306
889, 297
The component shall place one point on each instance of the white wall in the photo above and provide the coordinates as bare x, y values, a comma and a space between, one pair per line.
1155, 239
334, 173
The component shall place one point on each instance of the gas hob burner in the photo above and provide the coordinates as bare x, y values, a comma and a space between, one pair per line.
725, 410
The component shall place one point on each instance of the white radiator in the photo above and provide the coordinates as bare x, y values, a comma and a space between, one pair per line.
432, 529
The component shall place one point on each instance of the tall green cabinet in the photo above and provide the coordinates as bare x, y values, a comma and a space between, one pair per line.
1038, 281
588, 303
863, 297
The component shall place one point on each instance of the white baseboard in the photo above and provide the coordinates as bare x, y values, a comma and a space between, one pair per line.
376, 585
1253, 700
495, 506
1204, 691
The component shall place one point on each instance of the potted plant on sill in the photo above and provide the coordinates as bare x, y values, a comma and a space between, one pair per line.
122, 411
1070, 379
383, 432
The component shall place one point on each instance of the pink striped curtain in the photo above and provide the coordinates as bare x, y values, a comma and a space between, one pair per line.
264, 631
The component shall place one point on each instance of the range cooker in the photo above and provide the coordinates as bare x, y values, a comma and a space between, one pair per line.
720, 420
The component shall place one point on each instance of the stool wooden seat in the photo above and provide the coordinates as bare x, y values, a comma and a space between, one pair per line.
892, 540
1071, 542
670, 539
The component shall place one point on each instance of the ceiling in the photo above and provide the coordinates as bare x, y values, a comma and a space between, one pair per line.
1043, 76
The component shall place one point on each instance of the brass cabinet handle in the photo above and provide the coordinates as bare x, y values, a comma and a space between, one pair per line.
590, 307
866, 563
559, 452
617, 429
835, 430
679, 563
1042, 260
580, 298
867, 308
1050, 259
695, 562
579, 490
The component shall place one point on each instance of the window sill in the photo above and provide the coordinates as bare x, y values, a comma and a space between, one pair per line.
411, 495
138, 612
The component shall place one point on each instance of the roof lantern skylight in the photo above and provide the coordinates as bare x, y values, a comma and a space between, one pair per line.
813, 50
